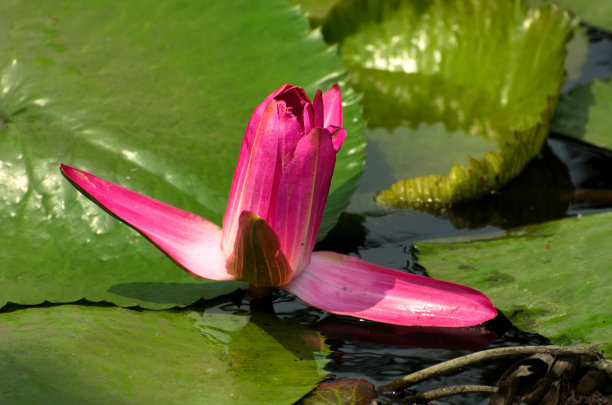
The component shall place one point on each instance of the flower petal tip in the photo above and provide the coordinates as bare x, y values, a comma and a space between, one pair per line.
349, 286
189, 240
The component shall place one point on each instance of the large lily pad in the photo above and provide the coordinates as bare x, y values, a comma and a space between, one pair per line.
154, 97
113, 355
553, 278
584, 113
490, 69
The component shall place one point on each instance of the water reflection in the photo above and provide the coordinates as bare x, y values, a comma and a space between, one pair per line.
541, 193
567, 178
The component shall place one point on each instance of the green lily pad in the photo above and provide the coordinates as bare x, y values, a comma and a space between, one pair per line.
399, 148
552, 278
597, 13
584, 113
113, 355
490, 69
154, 97
577, 53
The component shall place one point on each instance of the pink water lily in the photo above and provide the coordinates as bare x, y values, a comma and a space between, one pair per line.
275, 207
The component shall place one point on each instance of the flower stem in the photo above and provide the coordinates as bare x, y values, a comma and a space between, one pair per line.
258, 293
463, 361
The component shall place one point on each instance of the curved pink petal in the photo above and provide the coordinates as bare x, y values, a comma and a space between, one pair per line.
258, 173
338, 138
298, 103
302, 195
319, 111
253, 128
191, 241
332, 105
308, 120
346, 285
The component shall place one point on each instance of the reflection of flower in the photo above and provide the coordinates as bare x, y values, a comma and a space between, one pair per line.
276, 203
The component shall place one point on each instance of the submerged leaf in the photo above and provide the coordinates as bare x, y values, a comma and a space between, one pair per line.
552, 278
491, 69
113, 355
155, 98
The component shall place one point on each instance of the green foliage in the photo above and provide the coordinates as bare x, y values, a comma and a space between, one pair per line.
551, 278
90, 355
490, 69
597, 13
154, 97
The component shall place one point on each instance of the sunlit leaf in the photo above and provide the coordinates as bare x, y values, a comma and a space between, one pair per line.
584, 113
490, 69
154, 97
553, 278
113, 355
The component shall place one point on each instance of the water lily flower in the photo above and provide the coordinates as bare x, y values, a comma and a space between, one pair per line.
276, 203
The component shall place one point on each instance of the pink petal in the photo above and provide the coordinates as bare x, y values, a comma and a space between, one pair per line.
258, 173
308, 119
259, 111
296, 99
318, 110
332, 104
232, 212
349, 286
302, 195
191, 241
338, 138
298, 103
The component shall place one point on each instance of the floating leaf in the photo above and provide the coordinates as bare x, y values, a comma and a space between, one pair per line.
551, 278
593, 12
114, 355
490, 69
584, 113
154, 97
399, 147
577, 53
